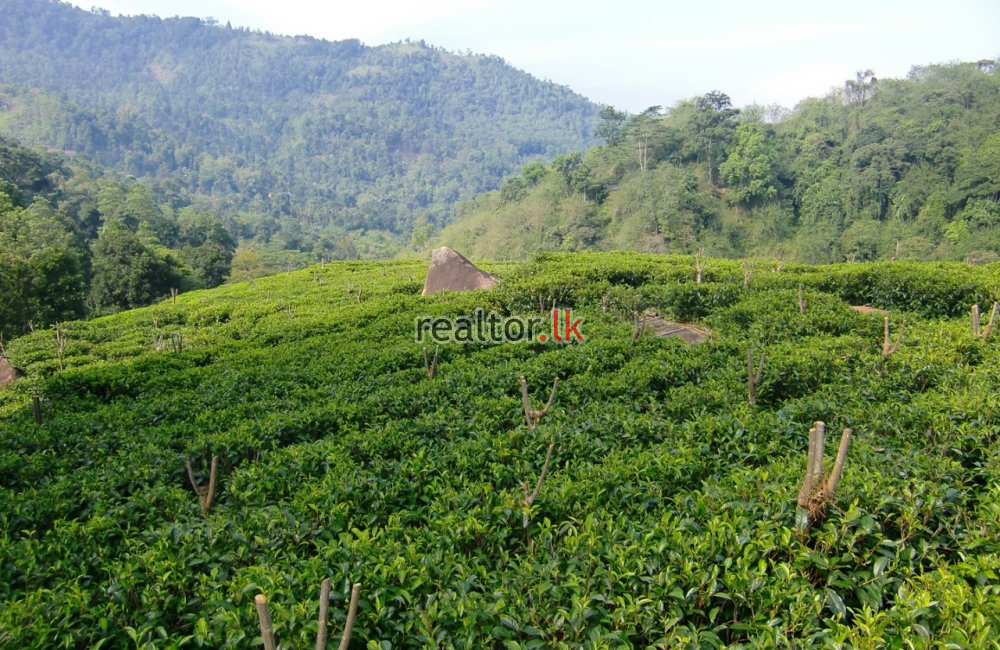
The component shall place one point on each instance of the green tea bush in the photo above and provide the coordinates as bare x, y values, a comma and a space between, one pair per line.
667, 518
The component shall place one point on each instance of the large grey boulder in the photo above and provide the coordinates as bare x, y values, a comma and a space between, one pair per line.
450, 271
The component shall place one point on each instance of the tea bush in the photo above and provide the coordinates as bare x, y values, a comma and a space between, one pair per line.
667, 518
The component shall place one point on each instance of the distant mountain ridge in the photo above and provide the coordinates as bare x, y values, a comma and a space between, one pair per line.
301, 133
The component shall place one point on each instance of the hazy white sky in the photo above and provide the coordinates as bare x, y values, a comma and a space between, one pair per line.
633, 54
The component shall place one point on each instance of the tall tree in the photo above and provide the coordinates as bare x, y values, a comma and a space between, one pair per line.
127, 273
42, 267
206, 248
860, 89
715, 121
612, 126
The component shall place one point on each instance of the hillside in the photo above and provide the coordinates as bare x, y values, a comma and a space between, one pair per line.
303, 138
879, 169
667, 516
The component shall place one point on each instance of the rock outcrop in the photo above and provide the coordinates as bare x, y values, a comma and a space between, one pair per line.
450, 271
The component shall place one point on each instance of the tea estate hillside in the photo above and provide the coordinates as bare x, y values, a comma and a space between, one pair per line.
163, 467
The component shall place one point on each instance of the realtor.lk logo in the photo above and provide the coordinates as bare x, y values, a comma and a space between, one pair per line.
483, 327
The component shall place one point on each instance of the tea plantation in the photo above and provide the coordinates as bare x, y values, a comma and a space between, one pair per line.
667, 517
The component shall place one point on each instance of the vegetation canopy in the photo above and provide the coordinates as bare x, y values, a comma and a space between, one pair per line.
162, 467
879, 169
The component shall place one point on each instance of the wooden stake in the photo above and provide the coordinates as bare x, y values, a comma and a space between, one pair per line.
36, 406
747, 272
698, 269
753, 378
977, 330
324, 609
206, 494
888, 349
638, 327
531, 415
531, 496
818, 435
809, 476
816, 493
60, 344
266, 629
802, 300
993, 320
838, 465
352, 612
430, 367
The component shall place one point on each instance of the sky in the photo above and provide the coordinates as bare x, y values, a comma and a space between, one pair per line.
635, 54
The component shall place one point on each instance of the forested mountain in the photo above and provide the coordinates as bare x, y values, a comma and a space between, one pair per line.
882, 168
306, 140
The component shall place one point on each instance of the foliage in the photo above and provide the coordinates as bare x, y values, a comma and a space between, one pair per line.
127, 273
42, 267
76, 240
667, 517
306, 139
882, 169
747, 170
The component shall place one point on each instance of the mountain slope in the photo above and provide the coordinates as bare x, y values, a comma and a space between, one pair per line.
329, 134
884, 168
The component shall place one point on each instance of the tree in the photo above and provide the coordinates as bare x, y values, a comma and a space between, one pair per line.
206, 247
715, 120
513, 189
423, 228
23, 172
248, 264
860, 89
644, 131
748, 169
42, 266
533, 173
612, 126
978, 174
565, 165
126, 272
140, 208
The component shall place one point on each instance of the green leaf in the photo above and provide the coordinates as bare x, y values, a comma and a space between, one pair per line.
835, 603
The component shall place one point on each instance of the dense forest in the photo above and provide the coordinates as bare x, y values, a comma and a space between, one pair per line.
75, 240
878, 169
332, 147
